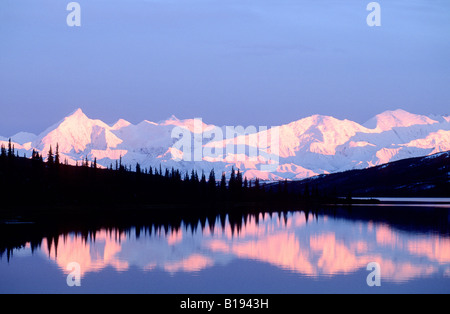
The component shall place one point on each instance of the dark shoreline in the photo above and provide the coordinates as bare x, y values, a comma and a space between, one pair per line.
70, 211
179, 211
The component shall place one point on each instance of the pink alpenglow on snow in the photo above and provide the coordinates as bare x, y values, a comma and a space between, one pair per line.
307, 147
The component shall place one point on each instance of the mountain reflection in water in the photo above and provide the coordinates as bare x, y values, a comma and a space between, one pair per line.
320, 246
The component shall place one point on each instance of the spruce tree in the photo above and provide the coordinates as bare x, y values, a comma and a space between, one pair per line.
138, 168
50, 159
223, 182
203, 179
10, 149
57, 161
212, 179
232, 182
257, 186
239, 179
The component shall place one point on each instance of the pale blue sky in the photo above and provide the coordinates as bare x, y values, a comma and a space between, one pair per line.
230, 62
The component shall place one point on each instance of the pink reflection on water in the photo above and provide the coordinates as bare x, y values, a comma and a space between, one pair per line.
193, 263
323, 247
91, 256
435, 248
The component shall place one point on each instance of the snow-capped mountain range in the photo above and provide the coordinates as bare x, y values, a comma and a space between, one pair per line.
307, 147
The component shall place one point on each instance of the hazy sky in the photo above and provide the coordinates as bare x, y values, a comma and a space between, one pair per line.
230, 62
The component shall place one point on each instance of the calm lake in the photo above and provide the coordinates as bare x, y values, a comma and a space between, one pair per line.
320, 251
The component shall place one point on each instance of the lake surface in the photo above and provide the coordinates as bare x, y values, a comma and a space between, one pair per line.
325, 251
443, 202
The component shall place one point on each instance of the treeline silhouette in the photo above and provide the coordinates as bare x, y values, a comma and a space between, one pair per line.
18, 236
33, 182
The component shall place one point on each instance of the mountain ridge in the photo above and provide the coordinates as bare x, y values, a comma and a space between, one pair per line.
427, 176
309, 146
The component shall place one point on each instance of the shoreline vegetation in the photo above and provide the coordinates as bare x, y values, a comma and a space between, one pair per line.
32, 187
36, 188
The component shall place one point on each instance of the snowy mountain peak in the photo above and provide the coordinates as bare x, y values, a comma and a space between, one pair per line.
170, 120
146, 122
313, 145
77, 114
23, 137
121, 123
397, 118
75, 133
193, 125
173, 118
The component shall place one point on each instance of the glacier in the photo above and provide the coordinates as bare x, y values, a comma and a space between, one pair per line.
307, 147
